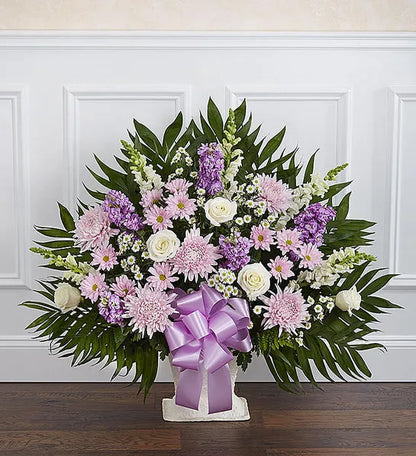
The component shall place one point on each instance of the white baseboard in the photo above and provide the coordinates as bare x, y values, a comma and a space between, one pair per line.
24, 365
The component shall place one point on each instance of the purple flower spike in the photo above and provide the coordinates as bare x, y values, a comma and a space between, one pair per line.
235, 252
112, 309
211, 163
121, 211
312, 223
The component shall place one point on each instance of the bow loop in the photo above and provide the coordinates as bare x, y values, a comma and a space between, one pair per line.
215, 354
190, 302
177, 336
223, 326
197, 324
213, 300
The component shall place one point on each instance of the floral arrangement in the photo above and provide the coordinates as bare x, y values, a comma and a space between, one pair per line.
211, 228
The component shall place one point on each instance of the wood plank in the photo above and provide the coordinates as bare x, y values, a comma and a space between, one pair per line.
363, 396
340, 419
297, 438
138, 439
341, 452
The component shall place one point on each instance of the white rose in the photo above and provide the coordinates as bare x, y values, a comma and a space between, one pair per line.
254, 279
348, 300
219, 210
162, 245
67, 297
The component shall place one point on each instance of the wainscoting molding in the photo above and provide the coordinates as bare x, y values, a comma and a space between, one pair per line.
17, 96
342, 97
74, 95
25, 341
398, 96
108, 40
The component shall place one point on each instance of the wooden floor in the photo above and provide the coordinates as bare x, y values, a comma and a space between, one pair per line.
72, 419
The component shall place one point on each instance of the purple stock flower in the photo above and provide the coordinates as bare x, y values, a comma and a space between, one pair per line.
133, 222
312, 223
235, 252
211, 163
121, 211
112, 309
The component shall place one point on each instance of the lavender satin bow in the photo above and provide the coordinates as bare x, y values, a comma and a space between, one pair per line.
206, 326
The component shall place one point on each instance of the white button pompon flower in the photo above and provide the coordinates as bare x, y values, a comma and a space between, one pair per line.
257, 310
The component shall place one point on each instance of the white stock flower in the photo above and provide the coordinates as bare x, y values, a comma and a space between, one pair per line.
162, 245
147, 179
233, 168
320, 186
254, 279
219, 210
67, 297
348, 300
153, 176
75, 277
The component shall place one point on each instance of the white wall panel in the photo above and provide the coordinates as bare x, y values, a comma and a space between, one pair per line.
14, 270
96, 118
403, 166
314, 118
332, 91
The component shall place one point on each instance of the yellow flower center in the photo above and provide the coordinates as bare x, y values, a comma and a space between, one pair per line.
260, 237
162, 277
159, 219
94, 287
289, 242
278, 268
106, 258
308, 257
181, 205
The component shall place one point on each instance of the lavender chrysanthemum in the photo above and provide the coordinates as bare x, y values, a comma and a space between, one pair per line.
149, 310
286, 309
312, 223
93, 229
235, 251
211, 163
121, 211
196, 257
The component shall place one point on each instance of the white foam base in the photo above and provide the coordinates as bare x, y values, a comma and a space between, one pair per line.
177, 413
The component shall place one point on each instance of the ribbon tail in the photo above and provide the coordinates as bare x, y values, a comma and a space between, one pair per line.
188, 390
220, 397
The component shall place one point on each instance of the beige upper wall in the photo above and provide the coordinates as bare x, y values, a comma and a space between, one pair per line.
261, 15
